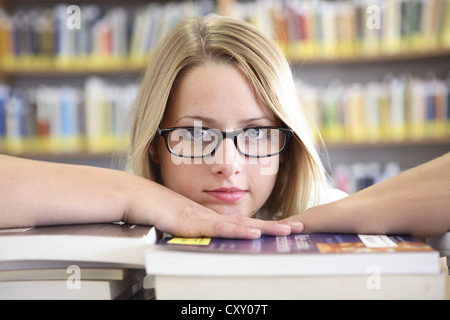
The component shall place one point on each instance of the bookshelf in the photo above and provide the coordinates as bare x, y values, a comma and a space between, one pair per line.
361, 59
353, 53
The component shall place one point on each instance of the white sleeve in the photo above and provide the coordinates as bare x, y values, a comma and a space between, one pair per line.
326, 196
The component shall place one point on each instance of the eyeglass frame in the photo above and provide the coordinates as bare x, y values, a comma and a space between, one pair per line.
164, 133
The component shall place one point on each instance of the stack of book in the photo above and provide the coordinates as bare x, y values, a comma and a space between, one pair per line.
110, 261
95, 261
299, 266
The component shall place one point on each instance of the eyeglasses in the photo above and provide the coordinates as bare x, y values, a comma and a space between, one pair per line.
200, 142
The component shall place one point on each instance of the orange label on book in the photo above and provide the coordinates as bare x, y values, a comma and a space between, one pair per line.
190, 241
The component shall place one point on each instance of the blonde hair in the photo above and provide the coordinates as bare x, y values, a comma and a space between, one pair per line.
221, 39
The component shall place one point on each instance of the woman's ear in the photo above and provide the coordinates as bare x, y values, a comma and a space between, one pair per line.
152, 150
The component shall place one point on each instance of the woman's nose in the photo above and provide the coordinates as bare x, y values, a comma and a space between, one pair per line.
227, 160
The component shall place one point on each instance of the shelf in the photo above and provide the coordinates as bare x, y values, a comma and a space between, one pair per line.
69, 156
390, 144
71, 72
79, 68
412, 55
32, 66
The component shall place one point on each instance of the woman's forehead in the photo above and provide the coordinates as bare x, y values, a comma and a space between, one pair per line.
217, 94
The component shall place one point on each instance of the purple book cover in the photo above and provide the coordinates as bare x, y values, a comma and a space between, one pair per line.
299, 243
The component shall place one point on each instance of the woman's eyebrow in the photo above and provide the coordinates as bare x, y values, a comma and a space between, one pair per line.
245, 122
207, 120
211, 122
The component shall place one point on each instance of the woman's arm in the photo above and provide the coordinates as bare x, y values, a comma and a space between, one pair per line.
415, 202
42, 193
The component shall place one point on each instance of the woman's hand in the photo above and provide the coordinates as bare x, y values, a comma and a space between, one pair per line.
154, 204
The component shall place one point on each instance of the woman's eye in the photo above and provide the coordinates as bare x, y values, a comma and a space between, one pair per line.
196, 134
255, 133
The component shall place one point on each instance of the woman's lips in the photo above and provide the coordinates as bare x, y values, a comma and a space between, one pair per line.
227, 194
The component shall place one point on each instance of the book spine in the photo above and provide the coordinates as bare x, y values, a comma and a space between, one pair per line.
4, 95
94, 115
445, 25
15, 122
447, 87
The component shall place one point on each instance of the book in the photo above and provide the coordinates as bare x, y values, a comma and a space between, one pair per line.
298, 254
357, 287
107, 244
60, 290
62, 273
335, 266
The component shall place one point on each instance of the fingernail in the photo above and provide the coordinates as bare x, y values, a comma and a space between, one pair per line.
295, 223
297, 226
285, 226
254, 231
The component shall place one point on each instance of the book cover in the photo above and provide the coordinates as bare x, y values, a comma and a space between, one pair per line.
297, 254
300, 243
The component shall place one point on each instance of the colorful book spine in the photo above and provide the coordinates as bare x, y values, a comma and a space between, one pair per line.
120, 36
56, 120
4, 95
105, 38
342, 29
399, 108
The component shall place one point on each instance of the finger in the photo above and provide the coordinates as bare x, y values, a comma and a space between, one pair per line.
294, 222
296, 226
274, 228
219, 228
224, 229
206, 223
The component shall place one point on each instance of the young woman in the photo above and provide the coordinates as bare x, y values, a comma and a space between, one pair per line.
218, 138
217, 120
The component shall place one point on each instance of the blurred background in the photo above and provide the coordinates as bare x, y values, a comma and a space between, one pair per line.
373, 76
